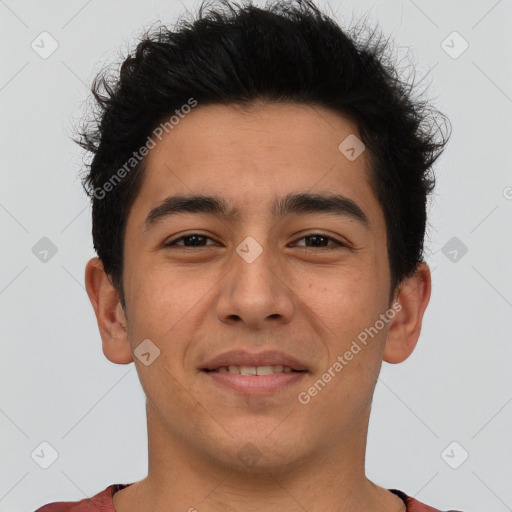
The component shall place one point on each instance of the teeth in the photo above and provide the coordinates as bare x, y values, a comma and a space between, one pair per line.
265, 370
255, 370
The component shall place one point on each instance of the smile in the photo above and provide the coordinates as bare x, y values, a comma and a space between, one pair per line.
254, 370
254, 380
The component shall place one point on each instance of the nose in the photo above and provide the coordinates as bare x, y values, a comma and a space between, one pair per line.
256, 294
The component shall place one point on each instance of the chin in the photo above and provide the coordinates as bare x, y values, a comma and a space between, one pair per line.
261, 449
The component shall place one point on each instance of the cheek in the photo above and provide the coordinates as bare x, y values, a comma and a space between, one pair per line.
168, 305
337, 296
157, 301
348, 307
347, 303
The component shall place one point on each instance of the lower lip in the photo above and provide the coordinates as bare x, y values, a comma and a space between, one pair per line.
256, 384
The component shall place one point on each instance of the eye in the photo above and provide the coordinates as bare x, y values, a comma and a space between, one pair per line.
192, 240
316, 240
319, 238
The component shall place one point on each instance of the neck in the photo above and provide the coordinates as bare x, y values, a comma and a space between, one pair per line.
181, 478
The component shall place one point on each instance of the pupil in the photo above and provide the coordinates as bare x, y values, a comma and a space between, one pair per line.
315, 237
193, 237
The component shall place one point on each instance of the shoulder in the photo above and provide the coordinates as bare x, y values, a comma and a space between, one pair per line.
414, 505
101, 502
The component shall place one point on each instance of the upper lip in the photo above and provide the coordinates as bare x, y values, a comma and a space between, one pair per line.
242, 357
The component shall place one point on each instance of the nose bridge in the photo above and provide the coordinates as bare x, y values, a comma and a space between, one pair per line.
254, 264
254, 292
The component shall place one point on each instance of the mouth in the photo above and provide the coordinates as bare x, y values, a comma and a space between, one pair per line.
254, 370
254, 383
244, 362
264, 374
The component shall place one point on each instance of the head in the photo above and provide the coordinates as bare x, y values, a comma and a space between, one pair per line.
246, 130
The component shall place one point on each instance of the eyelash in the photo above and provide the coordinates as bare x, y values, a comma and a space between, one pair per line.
338, 244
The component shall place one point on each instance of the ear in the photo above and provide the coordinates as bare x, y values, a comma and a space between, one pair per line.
411, 298
109, 314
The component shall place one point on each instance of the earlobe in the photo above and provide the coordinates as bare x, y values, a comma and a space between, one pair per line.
413, 296
110, 316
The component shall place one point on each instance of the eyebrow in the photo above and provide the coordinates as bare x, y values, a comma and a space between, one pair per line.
304, 203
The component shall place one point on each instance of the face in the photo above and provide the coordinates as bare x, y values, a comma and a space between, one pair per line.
264, 282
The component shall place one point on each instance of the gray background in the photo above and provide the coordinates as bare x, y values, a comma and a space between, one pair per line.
57, 386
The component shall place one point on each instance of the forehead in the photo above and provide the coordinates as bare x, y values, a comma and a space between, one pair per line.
251, 156
292, 135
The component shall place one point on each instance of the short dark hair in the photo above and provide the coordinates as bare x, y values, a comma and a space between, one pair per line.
289, 51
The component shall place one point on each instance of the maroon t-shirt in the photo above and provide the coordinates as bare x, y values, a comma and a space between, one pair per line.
102, 502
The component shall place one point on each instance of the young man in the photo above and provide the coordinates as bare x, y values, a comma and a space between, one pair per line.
259, 184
